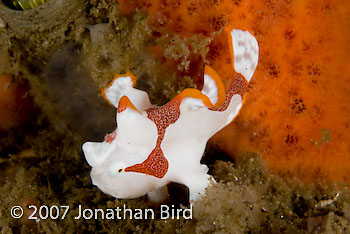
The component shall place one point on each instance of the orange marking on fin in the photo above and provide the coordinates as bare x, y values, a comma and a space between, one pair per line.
124, 103
133, 78
219, 85
228, 30
116, 76
194, 93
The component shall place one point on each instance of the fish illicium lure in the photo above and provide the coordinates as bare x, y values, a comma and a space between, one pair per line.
156, 145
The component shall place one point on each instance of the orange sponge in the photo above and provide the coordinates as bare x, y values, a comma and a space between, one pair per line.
297, 112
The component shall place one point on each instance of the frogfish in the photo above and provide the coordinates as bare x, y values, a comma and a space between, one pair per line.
153, 146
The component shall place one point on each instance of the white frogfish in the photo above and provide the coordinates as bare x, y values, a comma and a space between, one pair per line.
156, 145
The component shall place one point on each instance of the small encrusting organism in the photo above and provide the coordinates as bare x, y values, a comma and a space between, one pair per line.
156, 145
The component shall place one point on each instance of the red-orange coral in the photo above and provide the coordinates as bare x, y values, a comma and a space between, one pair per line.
296, 112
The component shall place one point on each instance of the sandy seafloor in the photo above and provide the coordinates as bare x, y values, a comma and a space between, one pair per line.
66, 50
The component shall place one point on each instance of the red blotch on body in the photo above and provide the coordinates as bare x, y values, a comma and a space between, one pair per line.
238, 86
156, 164
111, 136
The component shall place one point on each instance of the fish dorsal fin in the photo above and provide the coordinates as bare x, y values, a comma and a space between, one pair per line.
213, 87
202, 100
244, 51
